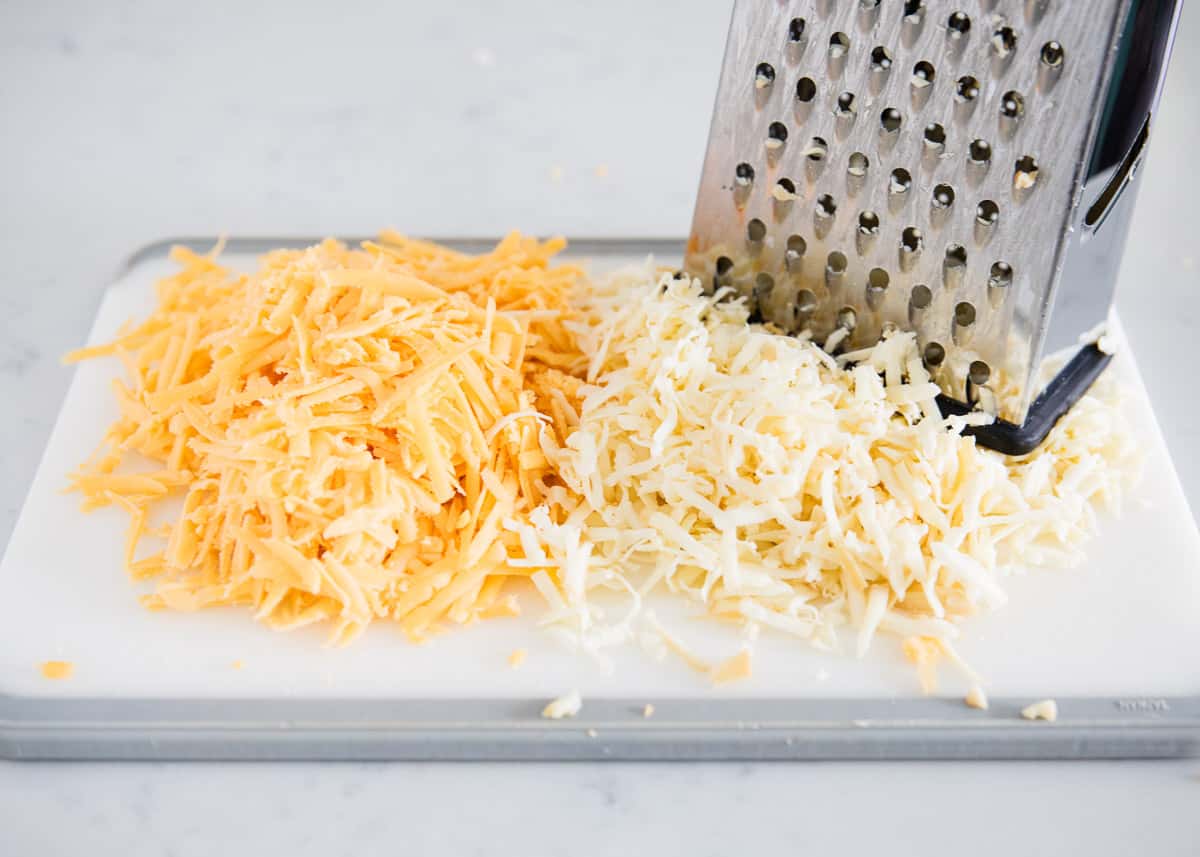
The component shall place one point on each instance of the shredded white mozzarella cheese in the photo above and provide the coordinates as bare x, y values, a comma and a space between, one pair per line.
750, 472
1046, 710
567, 705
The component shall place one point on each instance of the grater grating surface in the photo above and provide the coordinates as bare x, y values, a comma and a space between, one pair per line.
911, 163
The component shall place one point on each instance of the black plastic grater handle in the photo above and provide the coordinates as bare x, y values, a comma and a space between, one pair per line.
1060, 395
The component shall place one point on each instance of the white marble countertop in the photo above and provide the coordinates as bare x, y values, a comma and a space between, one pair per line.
130, 121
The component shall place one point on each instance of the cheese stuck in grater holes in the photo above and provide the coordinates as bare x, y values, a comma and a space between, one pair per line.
349, 429
752, 473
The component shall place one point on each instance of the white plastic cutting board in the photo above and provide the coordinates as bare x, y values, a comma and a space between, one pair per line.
1125, 623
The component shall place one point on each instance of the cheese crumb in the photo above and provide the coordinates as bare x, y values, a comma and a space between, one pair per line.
1047, 710
237, 665
782, 194
517, 657
1101, 336
732, 669
976, 698
567, 705
57, 670
1023, 180
647, 711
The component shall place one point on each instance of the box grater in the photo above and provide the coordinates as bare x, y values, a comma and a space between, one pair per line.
960, 169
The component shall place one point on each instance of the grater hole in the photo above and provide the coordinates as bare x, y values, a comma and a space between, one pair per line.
877, 284
935, 135
868, 223
1025, 173
1052, 55
921, 296
744, 174
980, 151
826, 206
777, 134
967, 88
978, 373
881, 60
764, 75
954, 266
1004, 42
835, 270
1001, 274
763, 284
783, 194
935, 353
1012, 105
858, 165
817, 149
923, 74
868, 13
1050, 64
806, 302
806, 90
911, 239
964, 314
912, 22
839, 46
987, 215
900, 181
890, 120
723, 275
847, 318
919, 300
756, 230
845, 105
912, 242
943, 196
793, 256
796, 30
958, 25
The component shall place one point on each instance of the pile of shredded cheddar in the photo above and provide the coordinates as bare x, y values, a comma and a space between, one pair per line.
349, 429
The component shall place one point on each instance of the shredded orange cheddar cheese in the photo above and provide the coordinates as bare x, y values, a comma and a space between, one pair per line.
734, 668
349, 429
57, 670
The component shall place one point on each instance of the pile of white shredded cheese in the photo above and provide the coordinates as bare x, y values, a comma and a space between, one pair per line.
752, 473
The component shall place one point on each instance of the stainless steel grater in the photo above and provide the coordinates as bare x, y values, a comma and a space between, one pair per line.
961, 169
